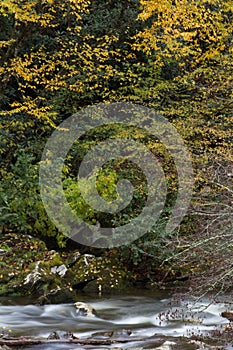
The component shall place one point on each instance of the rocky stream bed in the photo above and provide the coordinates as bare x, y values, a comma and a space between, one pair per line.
144, 320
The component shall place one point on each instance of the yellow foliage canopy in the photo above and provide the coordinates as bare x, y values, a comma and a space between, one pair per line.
189, 29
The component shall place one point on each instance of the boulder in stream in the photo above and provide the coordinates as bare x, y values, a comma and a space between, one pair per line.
84, 309
120, 333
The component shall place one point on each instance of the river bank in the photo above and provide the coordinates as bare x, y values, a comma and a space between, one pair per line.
29, 268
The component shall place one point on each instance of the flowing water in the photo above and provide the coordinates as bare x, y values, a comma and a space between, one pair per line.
149, 316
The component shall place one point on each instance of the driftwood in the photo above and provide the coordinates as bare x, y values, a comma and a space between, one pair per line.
89, 341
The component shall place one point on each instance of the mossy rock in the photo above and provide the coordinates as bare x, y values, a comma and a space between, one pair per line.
29, 268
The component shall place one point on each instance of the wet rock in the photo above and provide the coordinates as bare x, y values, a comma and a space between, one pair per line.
53, 335
107, 334
62, 335
68, 335
83, 309
121, 333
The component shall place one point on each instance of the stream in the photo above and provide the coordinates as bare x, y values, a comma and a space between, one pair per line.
148, 315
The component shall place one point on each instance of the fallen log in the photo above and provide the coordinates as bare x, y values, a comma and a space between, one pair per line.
22, 341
